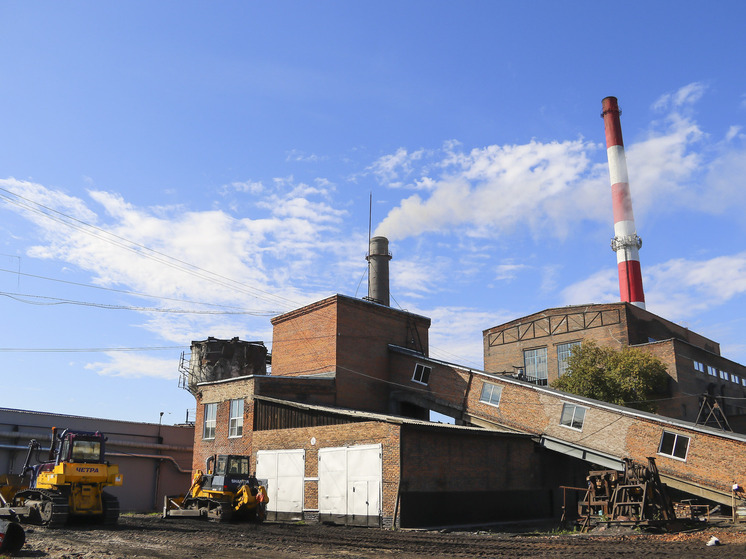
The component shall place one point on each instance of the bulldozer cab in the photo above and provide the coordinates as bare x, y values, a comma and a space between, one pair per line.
230, 473
81, 447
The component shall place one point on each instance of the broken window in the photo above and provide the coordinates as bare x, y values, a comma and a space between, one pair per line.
421, 373
674, 445
572, 416
211, 414
491, 394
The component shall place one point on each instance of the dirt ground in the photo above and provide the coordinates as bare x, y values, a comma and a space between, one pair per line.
150, 536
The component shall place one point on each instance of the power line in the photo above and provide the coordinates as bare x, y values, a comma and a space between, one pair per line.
126, 244
123, 291
48, 301
88, 349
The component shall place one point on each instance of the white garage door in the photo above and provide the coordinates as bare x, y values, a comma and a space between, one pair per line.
284, 471
350, 480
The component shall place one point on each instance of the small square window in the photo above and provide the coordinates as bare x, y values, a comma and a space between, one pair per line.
421, 373
674, 445
723, 375
712, 371
699, 366
572, 416
491, 394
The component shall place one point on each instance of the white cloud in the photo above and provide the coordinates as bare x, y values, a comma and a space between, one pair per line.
677, 289
508, 272
497, 188
551, 188
456, 333
684, 96
136, 366
390, 169
601, 287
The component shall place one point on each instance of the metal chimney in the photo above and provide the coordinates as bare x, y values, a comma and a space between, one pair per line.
378, 270
625, 243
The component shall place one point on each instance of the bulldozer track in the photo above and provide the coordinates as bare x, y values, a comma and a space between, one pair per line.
50, 508
111, 509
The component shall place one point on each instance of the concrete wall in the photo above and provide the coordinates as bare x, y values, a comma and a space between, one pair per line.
154, 459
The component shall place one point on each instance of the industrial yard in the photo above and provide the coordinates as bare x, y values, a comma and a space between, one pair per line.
151, 536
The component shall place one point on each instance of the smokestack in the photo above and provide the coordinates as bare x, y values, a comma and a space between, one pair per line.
378, 271
625, 243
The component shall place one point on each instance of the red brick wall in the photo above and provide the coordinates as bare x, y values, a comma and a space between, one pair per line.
716, 461
221, 393
349, 337
546, 329
462, 461
332, 436
304, 341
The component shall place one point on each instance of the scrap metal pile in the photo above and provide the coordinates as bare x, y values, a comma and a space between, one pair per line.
634, 497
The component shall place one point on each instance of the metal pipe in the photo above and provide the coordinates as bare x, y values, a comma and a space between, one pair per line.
109, 442
625, 243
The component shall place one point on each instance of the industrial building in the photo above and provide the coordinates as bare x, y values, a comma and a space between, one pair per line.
339, 428
154, 459
536, 348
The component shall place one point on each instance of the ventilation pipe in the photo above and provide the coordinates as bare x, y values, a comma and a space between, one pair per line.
625, 243
378, 271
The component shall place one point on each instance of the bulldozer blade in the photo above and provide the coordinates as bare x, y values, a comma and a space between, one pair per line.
12, 537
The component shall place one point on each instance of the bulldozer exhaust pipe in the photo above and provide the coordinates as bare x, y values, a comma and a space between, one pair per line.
12, 537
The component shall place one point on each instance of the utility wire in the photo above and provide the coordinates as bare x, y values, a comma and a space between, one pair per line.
146, 252
87, 349
48, 301
124, 291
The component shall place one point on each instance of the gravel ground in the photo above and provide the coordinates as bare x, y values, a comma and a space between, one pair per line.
150, 536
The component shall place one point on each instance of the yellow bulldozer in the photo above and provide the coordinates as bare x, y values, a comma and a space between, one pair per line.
226, 491
69, 482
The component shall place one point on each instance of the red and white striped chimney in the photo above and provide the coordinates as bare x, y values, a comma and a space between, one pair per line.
625, 243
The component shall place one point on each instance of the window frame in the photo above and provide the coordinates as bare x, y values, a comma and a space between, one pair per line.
567, 350
573, 420
490, 399
209, 420
536, 361
235, 421
674, 445
421, 374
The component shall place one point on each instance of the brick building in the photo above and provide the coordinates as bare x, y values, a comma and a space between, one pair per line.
343, 413
536, 347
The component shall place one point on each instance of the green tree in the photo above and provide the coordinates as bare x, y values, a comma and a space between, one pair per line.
627, 377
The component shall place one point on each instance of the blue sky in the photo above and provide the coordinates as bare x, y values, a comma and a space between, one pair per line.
171, 171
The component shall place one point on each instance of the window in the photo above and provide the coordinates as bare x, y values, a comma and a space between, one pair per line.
572, 416
211, 413
535, 361
712, 371
699, 366
723, 375
491, 394
563, 354
421, 373
674, 445
735, 378
235, 425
